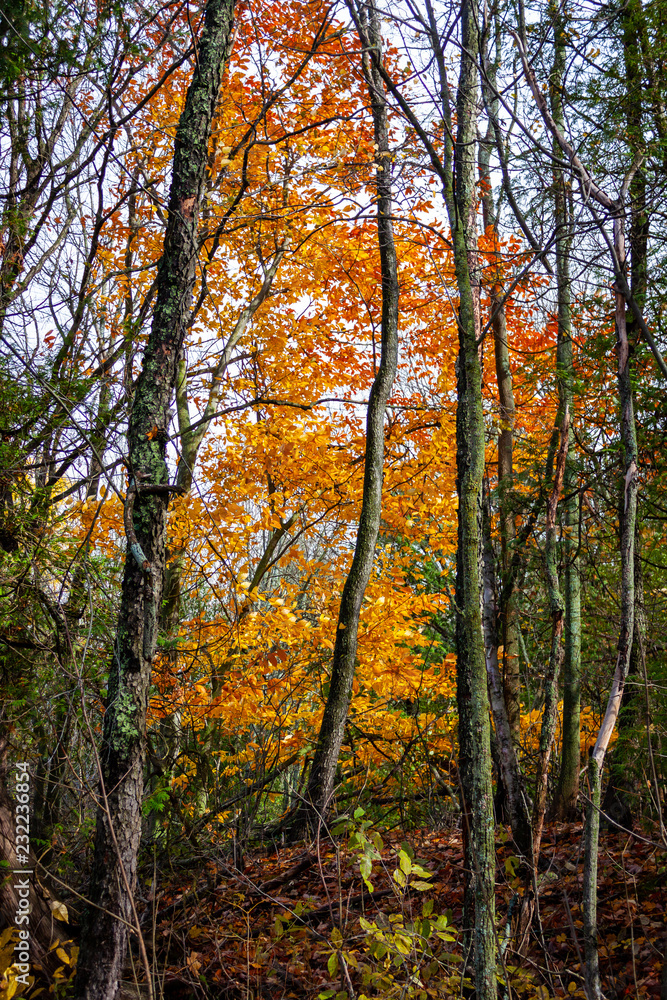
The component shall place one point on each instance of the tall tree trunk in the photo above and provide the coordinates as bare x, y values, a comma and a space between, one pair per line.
628, 515
616, 207
507, 612
472, 696
633, 21
557, 609
568, 785
104, 938
626, 326
503, 691
318, 793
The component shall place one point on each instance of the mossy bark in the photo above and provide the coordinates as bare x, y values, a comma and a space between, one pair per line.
318, 793
121, 756
516, 805
557, 611
472, 696
507, 610
500, 622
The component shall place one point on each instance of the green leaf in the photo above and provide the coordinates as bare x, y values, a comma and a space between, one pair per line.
332, 964
336, 937
359, 812
399, 877
511, 865
421, 886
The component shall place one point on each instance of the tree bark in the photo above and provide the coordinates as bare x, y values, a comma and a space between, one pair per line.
628, 514
570, 765
510, 772
121, 758
503, 691
557, 609
507, 611
616, 207
472, 696
319, 791
590, 883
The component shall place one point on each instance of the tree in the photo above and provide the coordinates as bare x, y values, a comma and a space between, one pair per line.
122, 751
323, 768
57, 157
568, 787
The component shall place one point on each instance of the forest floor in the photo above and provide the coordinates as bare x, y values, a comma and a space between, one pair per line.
285, 922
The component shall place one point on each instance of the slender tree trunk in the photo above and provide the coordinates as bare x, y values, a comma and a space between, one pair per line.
510, 773
632, 17
557, 609
319, 791
472, 695
628, 499
620, 783
568, 786
503, 691
104, 938
628, 514
507, 612
633, 24
590, 887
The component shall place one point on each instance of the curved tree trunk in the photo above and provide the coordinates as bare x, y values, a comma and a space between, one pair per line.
318, 793
121, 758
628, 515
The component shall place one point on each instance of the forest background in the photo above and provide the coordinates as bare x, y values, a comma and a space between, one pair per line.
331, 498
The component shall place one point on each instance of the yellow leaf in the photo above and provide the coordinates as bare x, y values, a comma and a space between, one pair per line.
62, 955
7, 936
59, 911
